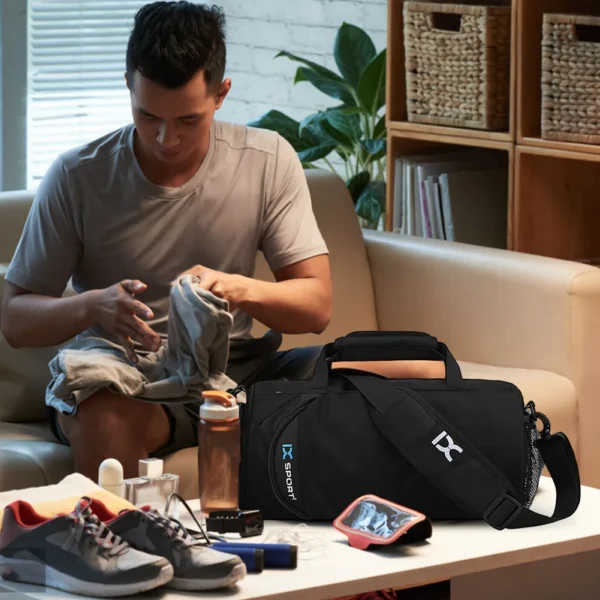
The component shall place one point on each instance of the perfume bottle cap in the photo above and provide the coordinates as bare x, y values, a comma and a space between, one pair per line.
150, 467
219, 406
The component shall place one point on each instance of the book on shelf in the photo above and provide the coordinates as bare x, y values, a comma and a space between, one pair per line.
456, 196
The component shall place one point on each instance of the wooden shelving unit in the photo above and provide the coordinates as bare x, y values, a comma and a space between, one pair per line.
553, 201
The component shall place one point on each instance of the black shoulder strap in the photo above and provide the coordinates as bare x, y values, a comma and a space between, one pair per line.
457, 468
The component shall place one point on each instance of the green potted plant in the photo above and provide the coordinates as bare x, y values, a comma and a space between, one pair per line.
353, 130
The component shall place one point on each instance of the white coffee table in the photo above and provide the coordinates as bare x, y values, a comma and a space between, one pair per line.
468, 561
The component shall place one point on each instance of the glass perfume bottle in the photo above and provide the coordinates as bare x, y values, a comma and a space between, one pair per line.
152, 487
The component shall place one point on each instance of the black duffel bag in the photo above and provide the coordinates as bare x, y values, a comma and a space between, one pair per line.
451, 448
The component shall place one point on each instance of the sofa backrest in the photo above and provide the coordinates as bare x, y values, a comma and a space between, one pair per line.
24, 373
14, 207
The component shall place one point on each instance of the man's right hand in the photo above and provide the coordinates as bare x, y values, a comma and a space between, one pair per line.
116, 310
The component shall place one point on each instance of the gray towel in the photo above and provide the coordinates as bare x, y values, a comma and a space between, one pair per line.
193, 360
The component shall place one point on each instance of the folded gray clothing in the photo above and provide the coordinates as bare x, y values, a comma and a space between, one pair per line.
194, 358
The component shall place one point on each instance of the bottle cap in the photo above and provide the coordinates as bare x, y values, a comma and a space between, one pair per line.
110, 476
150, 467
219, 406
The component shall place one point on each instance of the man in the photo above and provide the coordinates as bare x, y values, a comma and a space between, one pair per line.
174, 192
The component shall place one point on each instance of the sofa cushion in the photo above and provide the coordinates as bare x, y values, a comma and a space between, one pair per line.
24, 375
28, 463
36, 432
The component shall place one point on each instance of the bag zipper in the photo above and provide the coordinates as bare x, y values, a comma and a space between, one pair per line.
236, 390
245, 434
272, 468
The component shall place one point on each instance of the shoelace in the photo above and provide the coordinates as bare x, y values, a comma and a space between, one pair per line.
87, 523
174, 529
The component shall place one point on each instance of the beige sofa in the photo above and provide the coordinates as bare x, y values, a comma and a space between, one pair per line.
530, 320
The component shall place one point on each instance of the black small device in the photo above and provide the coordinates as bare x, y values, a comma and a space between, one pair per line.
247, 523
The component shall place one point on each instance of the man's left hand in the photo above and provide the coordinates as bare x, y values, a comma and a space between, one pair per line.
230, 287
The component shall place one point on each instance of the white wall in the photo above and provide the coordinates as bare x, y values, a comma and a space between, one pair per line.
258, 29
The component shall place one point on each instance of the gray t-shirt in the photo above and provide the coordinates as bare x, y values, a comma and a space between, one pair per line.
98, 219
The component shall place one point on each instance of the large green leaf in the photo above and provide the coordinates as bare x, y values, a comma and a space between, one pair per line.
356, 184
349, 110
379, 131
323, 71
353, 50
371, 202
311, 129
345, 142
371, 86
312, 122
336, 89
346, 124
376, 148
286, 126
316, 153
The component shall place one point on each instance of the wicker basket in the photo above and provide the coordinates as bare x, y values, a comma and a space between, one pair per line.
458, 64
571, 78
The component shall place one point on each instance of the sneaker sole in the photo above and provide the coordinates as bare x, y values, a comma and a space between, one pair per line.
28, 571
191, 585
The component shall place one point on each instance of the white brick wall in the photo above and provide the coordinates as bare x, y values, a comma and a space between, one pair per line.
257, 30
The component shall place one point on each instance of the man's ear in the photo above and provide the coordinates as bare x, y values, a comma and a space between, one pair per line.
223, 91
127, 82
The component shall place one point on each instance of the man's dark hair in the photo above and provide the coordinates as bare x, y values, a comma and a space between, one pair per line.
171, 41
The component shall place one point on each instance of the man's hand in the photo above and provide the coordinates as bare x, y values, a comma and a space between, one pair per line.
232, 288
116, 310
299, 301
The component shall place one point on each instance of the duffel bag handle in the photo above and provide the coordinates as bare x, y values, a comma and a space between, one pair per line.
359, 340
387, 346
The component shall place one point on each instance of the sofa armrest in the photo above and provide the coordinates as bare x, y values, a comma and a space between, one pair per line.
499, 308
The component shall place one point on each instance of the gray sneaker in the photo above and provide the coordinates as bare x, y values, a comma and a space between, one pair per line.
74, 553
196, 566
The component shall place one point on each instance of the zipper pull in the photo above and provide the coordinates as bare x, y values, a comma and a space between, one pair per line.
530, 413
545, 433
236, 390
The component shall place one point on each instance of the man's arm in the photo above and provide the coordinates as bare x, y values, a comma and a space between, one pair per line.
299, 301
33, 320
34, 313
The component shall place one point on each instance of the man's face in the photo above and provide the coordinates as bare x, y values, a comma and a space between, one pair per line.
173, 124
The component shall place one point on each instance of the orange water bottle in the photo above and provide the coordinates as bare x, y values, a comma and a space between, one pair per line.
219, 452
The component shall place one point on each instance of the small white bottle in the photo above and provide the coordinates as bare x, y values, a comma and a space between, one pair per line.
110, 477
